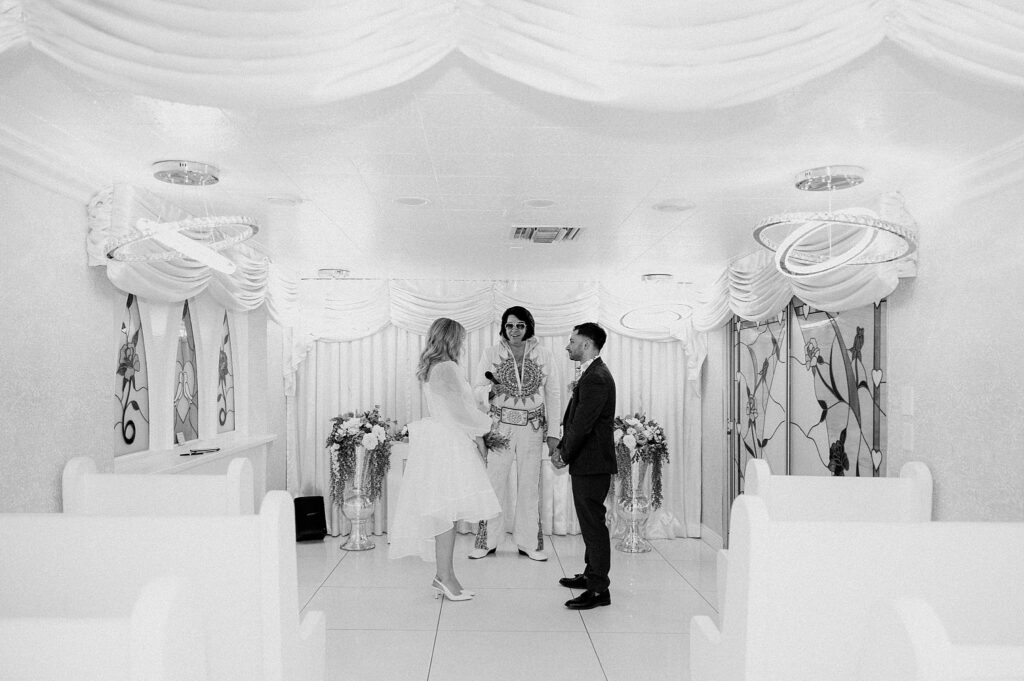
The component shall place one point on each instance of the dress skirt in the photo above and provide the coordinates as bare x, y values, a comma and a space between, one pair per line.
444, 481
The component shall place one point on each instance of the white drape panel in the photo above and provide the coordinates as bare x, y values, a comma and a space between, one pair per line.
754, 289
658, 54
379, 369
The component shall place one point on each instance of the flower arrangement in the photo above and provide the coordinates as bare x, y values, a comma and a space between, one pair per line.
495, 439
370, 430
640, 439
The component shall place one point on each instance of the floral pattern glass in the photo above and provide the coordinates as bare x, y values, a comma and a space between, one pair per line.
760, 400
131, 384
225, 382
186, 393
837, 407
810, 393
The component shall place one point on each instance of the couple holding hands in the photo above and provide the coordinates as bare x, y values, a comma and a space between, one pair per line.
447, 479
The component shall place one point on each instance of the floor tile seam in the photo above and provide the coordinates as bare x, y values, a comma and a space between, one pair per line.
697, 590
532, 630
363, 627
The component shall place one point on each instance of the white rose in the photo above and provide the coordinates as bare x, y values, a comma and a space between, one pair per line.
631, 431
370, 441
648, 433
617, 435
633, 422
380, 433
629, 441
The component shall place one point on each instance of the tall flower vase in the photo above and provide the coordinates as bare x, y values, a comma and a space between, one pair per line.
357, 506
634, 507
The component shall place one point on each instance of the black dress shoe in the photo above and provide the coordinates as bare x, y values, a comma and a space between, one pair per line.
577, 582
588, 600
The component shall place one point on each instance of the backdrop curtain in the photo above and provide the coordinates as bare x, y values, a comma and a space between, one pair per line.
344, 370
659, 54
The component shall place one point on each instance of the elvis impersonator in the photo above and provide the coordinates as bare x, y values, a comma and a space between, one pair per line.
525, 398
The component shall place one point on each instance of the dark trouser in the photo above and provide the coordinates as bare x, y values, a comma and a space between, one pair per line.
588, 495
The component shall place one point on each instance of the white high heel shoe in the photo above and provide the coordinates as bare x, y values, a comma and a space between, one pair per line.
441, 590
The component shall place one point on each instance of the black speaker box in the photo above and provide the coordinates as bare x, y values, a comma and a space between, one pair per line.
310, 522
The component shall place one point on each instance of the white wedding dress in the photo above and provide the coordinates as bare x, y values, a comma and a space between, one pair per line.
445, 479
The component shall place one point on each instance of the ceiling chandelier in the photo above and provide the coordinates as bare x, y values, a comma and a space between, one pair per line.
808, 243
198, 238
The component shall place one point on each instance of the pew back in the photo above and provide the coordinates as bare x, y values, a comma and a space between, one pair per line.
800, 594
88, 492
242, 570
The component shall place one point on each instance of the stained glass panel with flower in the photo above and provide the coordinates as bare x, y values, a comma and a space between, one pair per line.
838, 403
186, 393
225, 382
131, 384
761, 394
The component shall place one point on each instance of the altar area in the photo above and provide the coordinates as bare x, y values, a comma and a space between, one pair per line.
362, 340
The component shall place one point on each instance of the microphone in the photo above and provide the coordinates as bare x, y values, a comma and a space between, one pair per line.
490, 377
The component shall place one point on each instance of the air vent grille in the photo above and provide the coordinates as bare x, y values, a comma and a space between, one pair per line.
544, 234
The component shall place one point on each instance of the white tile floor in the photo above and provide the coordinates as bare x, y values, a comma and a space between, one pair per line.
384, 623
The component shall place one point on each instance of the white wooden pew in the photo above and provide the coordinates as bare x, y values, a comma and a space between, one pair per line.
903, 499
239, 577
800, 595
157, 637
908, 641
907, 498
88, 492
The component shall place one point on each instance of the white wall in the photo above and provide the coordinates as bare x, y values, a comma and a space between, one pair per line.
56, 334
955, 336
714, 387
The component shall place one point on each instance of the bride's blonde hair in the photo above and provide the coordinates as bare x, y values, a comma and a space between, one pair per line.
444, 342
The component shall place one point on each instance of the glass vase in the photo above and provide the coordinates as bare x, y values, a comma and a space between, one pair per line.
357, 506
634, 507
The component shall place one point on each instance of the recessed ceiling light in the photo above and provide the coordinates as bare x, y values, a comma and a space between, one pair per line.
411, 201
672, 206
332, 273
656, 276
829, 178
192, 173
538, 203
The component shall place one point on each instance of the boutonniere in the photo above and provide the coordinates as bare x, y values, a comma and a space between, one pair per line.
572, 385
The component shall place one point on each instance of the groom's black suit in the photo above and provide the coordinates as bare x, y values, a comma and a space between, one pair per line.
589, 449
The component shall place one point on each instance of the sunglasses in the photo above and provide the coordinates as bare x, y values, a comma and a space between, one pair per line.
521, 326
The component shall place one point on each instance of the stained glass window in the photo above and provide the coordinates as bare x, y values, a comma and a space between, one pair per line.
225, 382
131, 384
838, 407
186, 392
809, 393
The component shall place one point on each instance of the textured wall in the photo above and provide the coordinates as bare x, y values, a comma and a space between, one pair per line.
956, 391
56, 346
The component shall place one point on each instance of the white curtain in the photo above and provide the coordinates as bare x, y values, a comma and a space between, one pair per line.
658, 54
348, 370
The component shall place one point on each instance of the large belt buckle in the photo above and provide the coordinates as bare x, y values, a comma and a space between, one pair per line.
514, 417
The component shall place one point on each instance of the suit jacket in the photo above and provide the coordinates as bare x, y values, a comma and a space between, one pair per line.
587, 444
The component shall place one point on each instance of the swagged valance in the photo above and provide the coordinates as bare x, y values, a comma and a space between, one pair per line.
350, 309
658, 54
112, 214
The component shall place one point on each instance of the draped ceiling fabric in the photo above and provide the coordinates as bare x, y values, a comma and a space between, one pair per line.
365, 345
114, 212
658, 54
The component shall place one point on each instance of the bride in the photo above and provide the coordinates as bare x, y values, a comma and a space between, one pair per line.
445, 479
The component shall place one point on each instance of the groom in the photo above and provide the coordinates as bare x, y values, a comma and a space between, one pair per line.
588, 449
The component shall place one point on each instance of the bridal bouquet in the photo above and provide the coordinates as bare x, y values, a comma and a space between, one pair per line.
370, 431
640, 439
